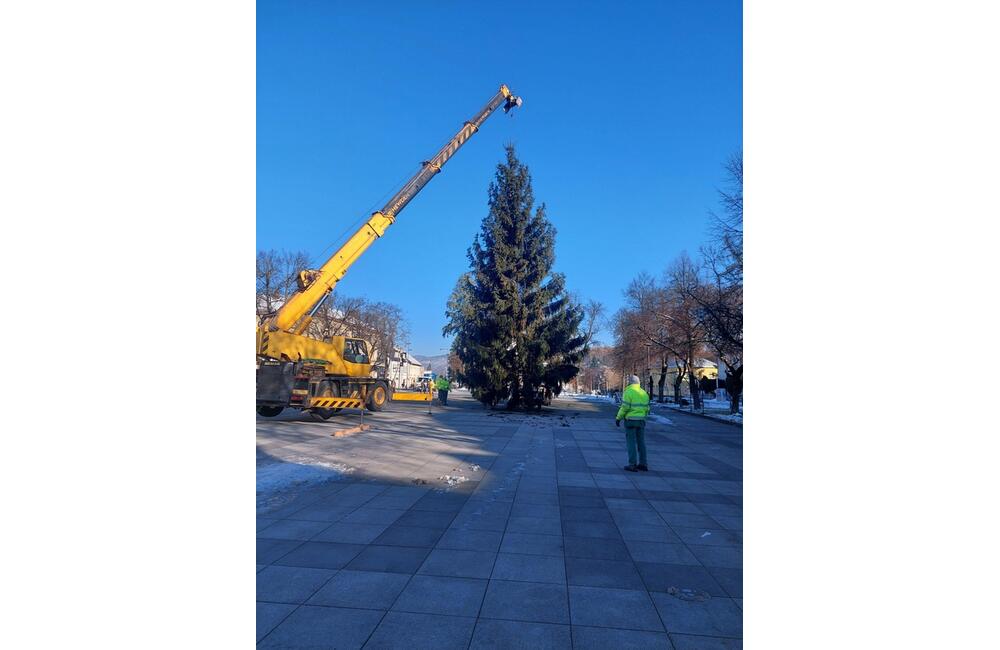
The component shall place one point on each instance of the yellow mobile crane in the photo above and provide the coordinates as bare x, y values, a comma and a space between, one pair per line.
297, 371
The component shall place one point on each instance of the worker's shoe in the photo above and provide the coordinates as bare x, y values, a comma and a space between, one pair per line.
642, 468
631, 468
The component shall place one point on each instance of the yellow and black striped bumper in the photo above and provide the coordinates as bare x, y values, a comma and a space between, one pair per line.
335, 403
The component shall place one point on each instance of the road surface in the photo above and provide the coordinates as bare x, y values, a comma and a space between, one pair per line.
473, 528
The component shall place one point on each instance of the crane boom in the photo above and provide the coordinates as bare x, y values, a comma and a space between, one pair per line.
315, 286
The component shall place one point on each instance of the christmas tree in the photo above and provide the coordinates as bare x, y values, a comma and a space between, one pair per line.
516, 329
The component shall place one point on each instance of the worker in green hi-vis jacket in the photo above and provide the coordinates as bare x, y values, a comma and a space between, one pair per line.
634, 409
443, 385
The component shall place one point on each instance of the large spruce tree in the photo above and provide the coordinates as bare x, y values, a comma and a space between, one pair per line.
516, 329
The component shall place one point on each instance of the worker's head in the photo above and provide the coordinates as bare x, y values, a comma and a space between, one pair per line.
633, 379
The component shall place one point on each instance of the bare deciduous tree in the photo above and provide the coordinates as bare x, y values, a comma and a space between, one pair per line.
277, 278
593, 320
380, 323
718, 290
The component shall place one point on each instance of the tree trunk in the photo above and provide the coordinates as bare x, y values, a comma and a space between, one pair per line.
663, 380
734, 386
695, 389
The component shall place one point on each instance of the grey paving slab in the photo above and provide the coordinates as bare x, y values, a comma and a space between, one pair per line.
719, 556
491, 633
729, 523
731, 579
616, 608
294, 529
534, 510
637, 518
495, 523
458, 563
569, 513
595, 548
602, 573
397, 535
661, 552
536, 525
664, 577
327, 513
646, 533
692, 642
572, 491
722, 509
394, 559
269, 615
490, 507
583, 502
621, 493
360, 589
536, 498
366, 515
320, 555
350, 533
529, 544
708, 536
526, 601
628, 504
280, 584
688, 520
269, 550
392, 502
440, 595
603, 638
471, 540
426, 519
323, 627
406, 491
602, 529
711, 617
679, 507
529, 568
407, 630
263, 523
438, 503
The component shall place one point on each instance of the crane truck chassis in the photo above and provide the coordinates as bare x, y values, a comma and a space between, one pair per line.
297, 371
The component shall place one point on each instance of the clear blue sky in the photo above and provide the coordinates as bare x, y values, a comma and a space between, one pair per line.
630, 110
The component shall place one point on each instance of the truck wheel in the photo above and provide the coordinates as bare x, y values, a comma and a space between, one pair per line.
379, 397
270, 411
327, 389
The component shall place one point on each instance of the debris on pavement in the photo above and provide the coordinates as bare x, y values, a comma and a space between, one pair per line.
685, 593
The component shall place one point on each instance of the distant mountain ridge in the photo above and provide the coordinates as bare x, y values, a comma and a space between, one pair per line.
436, 363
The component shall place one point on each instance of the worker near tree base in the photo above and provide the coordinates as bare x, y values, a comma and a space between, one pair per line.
443, 385
634, 409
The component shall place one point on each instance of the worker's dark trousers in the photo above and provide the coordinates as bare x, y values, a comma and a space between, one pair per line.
635, 436
443, 396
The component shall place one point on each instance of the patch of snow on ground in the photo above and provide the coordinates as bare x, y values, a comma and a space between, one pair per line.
453, 480
273, 477
661, 419
721, 414
588, 398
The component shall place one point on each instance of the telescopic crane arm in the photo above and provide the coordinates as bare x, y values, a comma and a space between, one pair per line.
315, 286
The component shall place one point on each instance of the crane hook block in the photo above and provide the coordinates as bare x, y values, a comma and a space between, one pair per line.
512, 102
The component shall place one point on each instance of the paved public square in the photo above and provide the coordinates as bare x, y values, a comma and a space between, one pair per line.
469, 528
